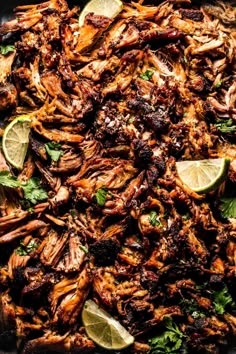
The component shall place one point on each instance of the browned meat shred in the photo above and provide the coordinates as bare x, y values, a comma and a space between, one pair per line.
121, 100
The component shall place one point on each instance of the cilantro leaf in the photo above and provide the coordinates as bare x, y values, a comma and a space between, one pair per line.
25, 250
33, 192
221, 299
7, 180
101, 195
6, 49
228, 207
153, 219
170, 341
226, 126
147, 75
84, 249
218, 84
53, 151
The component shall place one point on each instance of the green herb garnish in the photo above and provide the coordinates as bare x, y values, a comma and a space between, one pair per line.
84, 249
6, 49
221, 299
218, 84
226, 126
7, 180
101, 195
228, 207
153, 219
53, 150
170, 341
26, 250
147, 75
33, 192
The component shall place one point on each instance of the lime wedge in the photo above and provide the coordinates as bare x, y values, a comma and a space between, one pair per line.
204, 175
103, 329
108, 8
15, 141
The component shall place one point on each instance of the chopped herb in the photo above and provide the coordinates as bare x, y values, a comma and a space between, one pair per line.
153, 219
6, 49
186, 217
53, 151
33, 192
185, 59
147, 75
226, 126
218, 84
7, 180
21, 251
101, 195
83, 248
189, 305
221, 299
25, 250
228, 207
73, 213
170, 341
131, 120
197, 314
30, 210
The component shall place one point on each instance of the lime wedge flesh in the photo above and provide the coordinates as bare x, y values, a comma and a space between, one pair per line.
15, 141
203, 175
103, 329
108, 8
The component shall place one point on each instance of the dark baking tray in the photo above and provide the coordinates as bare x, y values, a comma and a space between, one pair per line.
6, 13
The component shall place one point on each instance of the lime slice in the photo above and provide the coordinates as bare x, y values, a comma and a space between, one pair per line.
104, 329
15, 141
108, 8
204, 175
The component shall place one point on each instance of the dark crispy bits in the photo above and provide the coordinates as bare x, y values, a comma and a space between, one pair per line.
8, 97
104, 251
158, 120
195, 15
114, 104
142, 151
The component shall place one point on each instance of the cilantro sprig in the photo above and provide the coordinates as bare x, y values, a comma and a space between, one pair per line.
228, 207
33, 192
7, 180
170, 341
221, 299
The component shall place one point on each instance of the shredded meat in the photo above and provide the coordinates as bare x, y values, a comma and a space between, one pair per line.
113, 104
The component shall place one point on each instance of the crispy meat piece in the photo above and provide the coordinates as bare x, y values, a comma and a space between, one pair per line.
71, 304
22, 231
114, 104
105, 251
7, 322
53, 248
67, 343
8, 97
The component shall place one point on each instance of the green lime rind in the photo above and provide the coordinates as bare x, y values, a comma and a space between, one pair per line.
103, 329
194, 174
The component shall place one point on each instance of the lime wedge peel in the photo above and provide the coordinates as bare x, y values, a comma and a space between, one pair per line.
108, 8
103, 329
203, 176
15, 141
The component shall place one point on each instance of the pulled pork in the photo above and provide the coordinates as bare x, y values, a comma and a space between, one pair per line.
119, 101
